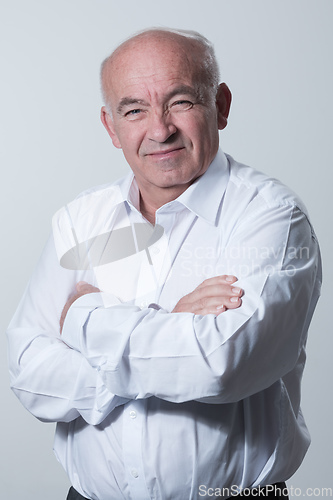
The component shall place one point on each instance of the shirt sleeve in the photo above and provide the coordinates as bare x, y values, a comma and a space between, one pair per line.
54, 382
181, 356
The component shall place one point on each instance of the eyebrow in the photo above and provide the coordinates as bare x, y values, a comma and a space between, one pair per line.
182, 89
128, 101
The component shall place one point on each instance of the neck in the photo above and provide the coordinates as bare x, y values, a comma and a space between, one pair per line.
153, 199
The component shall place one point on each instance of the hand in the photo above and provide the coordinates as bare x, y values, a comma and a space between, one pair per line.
212, 296
82, 288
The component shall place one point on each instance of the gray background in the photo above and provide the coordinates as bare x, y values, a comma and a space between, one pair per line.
276, 56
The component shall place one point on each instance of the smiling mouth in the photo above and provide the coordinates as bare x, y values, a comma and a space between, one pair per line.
166, 153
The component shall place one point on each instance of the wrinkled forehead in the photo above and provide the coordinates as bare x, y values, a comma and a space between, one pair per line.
153, 57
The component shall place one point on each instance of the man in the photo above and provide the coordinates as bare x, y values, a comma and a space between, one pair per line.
169, 379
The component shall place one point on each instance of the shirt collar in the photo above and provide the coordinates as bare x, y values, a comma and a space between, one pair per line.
130, 191
203, 197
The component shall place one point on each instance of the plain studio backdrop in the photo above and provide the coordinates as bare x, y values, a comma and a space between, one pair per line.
276, 57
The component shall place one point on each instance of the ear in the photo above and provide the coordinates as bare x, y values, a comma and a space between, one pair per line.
223, 103
109, 125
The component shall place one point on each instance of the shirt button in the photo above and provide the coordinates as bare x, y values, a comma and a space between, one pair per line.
132, 414
134, 473
144, 303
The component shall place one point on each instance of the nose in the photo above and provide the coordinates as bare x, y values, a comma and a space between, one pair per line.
160, 127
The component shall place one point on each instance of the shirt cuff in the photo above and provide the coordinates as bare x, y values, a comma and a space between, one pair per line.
78, 314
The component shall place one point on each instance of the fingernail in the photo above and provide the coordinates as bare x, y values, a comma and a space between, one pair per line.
234, 299
220, 307
229, 278
235, 289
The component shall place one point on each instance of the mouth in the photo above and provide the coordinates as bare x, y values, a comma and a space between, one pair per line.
166, 153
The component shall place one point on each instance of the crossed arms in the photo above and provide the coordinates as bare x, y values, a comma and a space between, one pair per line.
107, 356
212, 296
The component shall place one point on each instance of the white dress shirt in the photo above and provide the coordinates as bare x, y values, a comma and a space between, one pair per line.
158, 405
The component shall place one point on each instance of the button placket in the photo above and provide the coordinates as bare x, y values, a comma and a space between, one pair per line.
163, 254
132, 448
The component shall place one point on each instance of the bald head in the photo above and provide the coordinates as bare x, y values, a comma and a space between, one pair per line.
196, 50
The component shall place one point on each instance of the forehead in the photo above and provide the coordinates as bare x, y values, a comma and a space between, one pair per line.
151, 65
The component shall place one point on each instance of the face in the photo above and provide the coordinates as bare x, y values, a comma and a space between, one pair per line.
162, 118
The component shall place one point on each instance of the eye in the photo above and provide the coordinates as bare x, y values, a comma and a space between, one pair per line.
133, 114
182, 105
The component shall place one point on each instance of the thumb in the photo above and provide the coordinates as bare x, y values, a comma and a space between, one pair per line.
81, 285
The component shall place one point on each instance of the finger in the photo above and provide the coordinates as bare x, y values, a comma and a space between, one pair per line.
234, 302
229, 278
212, 305
216, 280
219, 310
222, 308
206, 299
237, 291
216, 290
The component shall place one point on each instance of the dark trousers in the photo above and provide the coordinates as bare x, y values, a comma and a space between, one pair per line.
74, 495
277, 491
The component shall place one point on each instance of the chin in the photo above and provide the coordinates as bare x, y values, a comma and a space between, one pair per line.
170, 179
